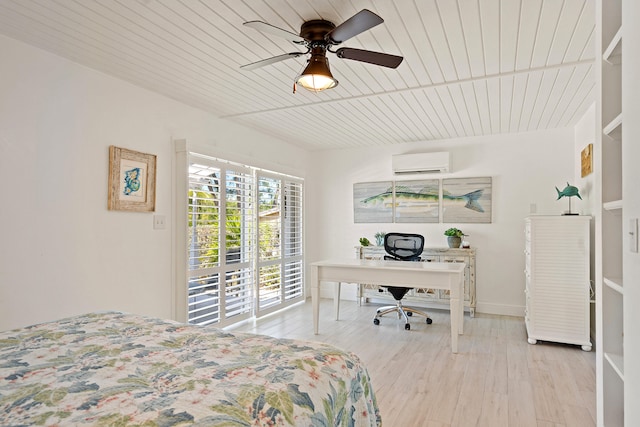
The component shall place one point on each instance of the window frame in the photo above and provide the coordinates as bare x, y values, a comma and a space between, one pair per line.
180, 249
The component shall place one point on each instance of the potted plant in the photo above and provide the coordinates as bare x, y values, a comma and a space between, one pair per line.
454, 237
379, 238
364, 241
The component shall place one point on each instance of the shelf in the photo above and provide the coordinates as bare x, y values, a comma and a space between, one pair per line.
613, 205
617, 363
614, 283
614, 128
613, 52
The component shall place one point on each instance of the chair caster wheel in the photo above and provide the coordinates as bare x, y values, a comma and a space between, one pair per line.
376, 321
409, 313
429, 321
407, 326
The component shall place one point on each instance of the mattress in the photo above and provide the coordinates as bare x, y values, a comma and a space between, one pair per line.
115, 368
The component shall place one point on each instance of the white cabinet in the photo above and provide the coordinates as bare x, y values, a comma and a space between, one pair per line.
557, 279
426, 297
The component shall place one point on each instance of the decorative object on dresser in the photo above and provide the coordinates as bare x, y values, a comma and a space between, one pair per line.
428, 298
557, 290
379, 236
454, 237
569, 191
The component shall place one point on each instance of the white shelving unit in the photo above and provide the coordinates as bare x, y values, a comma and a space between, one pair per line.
613, 52
614, 129
610, 349
630, 212
612, 206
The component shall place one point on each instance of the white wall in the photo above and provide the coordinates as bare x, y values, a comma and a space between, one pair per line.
585, 133
524, 167
61, 251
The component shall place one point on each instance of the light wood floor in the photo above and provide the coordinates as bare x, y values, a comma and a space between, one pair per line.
496, 379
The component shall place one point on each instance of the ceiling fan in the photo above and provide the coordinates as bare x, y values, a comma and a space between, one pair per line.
319, 36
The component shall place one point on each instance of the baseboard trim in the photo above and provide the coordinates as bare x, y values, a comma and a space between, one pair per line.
502, 309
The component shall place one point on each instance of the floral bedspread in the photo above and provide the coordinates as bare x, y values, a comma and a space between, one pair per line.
116, 369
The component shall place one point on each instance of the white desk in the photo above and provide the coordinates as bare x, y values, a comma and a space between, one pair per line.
431, 275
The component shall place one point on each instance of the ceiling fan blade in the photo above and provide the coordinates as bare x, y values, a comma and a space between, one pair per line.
276, 31
376, 58
271, 60
358, 23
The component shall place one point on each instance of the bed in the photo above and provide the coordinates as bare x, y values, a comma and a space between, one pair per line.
121, 369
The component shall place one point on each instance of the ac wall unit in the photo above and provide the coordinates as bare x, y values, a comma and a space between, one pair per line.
404, 164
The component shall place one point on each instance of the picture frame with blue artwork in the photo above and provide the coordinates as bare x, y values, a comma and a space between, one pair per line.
132, 180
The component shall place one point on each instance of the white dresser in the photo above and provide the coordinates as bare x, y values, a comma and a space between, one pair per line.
433, 298
557, 279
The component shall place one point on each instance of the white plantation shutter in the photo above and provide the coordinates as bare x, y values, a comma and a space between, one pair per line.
293, 267
280, 260
221, 235
245, 242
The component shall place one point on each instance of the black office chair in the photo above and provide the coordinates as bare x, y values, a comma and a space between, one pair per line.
401, 247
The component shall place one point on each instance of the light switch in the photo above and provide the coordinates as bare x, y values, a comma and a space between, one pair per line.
633, 234
159, 222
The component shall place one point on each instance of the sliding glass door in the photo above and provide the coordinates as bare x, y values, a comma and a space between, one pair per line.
280, 250
245, 247
221, 250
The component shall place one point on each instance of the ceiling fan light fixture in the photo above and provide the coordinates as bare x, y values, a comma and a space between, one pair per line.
317, 77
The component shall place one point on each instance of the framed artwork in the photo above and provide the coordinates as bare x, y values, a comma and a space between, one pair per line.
586, 160
417, 201
373, 202
132, 180
466, 200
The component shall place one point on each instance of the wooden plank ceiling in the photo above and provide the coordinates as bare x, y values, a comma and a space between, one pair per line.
471, 67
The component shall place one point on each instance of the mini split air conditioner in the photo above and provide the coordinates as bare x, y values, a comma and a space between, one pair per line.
405, 164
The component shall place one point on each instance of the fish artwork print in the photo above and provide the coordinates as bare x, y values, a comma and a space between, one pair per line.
425, 198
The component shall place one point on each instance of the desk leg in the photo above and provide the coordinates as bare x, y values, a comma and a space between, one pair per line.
461, 308
315, 297
454, 306
336, 300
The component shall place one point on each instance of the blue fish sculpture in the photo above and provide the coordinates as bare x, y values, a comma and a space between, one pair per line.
568, 191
